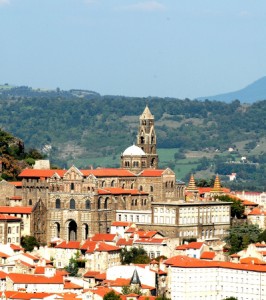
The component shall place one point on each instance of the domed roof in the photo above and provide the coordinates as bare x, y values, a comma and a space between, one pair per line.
134, 151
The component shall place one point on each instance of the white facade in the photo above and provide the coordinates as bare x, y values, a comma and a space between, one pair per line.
139, 216
216, 281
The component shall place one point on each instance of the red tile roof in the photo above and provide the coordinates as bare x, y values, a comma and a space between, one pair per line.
256, 211
249, 203
107, 237
120, 223
15, 209
3, 275
189, 262
92, 246
39, 270
195, 245
252, 260
22, 295
101, 276
181, 247
70, 285
208, 255
149, 241
35, 279
16, 198
91, 274
16, 247
4, 255
124, 242
260, 245
146, 234
151, 173
68, 245
36, 173
16, 183
108, 172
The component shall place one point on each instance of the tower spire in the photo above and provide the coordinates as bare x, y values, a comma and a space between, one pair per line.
146, 138
217, 189
192, 185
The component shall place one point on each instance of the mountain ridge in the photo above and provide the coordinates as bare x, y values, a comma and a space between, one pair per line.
253, 92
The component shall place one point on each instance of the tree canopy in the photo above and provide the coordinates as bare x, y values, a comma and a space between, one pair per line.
136, 255
111, 296
240, 236
29, 242
237, 208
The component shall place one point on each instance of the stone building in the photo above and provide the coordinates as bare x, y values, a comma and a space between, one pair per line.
74, 204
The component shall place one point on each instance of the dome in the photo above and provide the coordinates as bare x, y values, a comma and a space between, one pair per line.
133, 151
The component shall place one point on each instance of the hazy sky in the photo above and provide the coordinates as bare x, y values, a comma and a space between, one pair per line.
167, 48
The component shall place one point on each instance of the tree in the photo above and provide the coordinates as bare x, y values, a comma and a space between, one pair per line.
230, 298
262, 236
75, 264
240, 236
29, 242
72, 267
237, 208
135, 255
111, 296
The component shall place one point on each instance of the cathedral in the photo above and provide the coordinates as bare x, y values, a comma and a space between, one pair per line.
75, 204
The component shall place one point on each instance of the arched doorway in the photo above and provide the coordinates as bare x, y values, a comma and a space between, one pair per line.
72, 231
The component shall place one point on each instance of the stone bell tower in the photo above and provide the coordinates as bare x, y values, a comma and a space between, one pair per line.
146, 138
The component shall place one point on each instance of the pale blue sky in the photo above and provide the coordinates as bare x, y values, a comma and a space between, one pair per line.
167, 48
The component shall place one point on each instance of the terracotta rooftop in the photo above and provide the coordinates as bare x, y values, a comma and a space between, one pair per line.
15, 209
189, 262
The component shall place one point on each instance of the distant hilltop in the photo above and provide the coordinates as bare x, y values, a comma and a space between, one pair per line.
255, 91
26, 91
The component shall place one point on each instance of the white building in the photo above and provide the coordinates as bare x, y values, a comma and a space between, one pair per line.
191, 278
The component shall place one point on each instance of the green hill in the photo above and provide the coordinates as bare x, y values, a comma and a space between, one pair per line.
85, 128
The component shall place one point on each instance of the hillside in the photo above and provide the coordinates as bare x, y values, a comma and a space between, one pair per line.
13, 158
255, 91
86, 129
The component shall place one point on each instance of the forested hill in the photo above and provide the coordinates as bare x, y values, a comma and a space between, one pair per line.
82, 127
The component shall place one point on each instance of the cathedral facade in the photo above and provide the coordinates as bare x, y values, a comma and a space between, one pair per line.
75, 204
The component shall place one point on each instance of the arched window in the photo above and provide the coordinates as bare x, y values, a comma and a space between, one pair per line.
106, 203
99, 203
72, 186
135, 164
145, 201
132, 202
136, 202
57, 203
103, 183
30, 202
72, 204
132, 185
112, 183
88, 204
151, 188
141, 188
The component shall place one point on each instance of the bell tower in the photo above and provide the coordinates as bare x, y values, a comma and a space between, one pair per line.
146, 138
